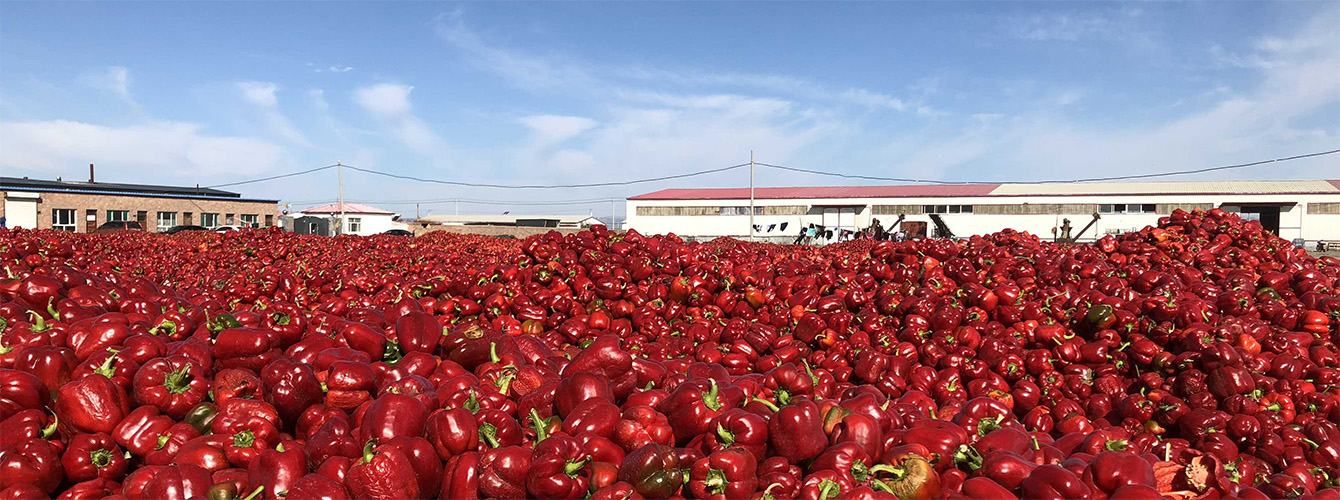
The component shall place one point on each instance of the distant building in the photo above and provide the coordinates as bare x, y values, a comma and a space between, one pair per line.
1303, 209
311, 224
359, 219
556, 221
82, 206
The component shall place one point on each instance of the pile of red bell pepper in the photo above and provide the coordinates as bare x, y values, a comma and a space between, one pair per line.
1195, 359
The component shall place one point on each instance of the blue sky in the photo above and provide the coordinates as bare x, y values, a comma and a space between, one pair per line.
217, 92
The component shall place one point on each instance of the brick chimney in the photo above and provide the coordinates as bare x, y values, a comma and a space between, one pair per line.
90, 173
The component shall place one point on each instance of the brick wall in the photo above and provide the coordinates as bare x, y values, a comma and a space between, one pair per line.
516, 232
82, 203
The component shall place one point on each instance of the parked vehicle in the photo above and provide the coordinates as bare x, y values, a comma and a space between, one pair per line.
178, 229
119, 225
224, 229
399, 232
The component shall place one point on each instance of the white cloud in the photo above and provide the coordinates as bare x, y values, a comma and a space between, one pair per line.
390, 105
318, 97
114, 79
263, 96
176, 150
555, 74
556, 129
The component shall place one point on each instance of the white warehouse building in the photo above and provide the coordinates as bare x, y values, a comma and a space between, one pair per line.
1304, 209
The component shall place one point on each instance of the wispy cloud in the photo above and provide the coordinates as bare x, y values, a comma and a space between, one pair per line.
390, 105
333, 68
178, 150
263, 96
117, 81
1077, 25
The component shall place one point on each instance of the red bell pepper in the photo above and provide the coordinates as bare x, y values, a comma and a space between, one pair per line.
383, 473
1054, 482
796, 431
393, 415
730, 473
641, 425
559, 469
30, 462
92, 404
291, 387
452, 432
693, 405
503, 472
173, 384
423, 458
419, 331
278, 469
177, 482
93, 456
461, 477
316, 487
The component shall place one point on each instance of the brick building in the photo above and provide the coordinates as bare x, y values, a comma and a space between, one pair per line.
82, 206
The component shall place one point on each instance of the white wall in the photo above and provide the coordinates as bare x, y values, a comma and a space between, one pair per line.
369, 224
21, 209
1294, 221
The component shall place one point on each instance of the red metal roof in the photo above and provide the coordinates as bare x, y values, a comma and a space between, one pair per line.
949, 190
350, 208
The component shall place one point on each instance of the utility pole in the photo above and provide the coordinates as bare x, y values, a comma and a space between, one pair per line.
339, 173
416, 211
458, 206
612, 215
751, 195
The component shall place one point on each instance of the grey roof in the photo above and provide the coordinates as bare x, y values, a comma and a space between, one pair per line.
115, 188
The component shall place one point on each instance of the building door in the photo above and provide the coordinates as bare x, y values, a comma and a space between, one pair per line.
90, 221
21, 210
143, 218
1268, 215
847, 218
914, 229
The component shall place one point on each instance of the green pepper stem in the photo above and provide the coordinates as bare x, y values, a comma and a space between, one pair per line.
255, 493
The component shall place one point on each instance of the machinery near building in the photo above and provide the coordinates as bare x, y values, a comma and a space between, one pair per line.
1295, 209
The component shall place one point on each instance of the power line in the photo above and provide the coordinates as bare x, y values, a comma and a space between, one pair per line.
273, 177
1055, 181
547, 186
855, 176
1197, 171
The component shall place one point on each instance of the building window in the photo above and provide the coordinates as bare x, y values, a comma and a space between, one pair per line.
1126, 208
166, 220
209, 220
355, 225
249, 220
118, 215
740, 210
62, 219
229, 219
947, 209
186, 218
269, 220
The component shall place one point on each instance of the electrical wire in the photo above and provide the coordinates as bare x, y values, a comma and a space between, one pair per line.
1195, 171
1054, 181
273, 177
547, 186
855, 176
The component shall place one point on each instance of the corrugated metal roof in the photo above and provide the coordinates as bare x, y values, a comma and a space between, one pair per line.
1022, 189
25, 184
349, 208
1199, 187
773, 193
137, 194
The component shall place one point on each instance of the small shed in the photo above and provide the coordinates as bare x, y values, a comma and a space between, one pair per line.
311, 225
